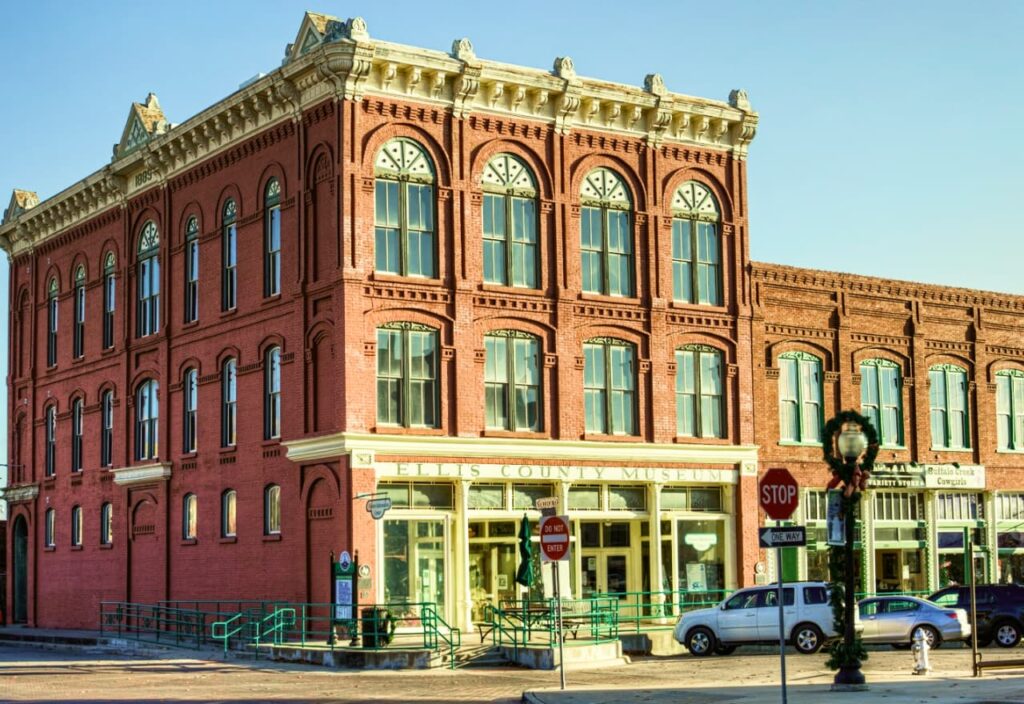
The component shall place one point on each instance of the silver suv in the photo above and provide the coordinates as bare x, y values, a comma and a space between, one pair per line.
751, 615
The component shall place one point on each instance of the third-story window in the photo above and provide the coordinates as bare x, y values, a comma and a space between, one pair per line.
881, 399
107, 429
51, 322
51, 441
191, 270
107, 524
78, 339
76, 435
149, 280
272, 394
947, 393
696, 250
229, 257
405, 241
109, 295
800, 408
189, 517
1010, 409
407, 393
512, 381
228, 508
146, 419
272, 510
190, 395
228, 403
272, 239
606, 239
509, 223
609, 387
699, 392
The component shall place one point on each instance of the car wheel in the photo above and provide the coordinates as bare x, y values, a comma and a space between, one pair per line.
931, 636
1007, 634
807, 638
701, 642
723, 649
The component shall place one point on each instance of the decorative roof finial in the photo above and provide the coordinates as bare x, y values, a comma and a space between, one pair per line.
462, 49
564, 68
654, 83
738, 99
356, 29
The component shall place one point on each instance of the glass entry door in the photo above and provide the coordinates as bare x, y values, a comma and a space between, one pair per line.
605, 572
414, 563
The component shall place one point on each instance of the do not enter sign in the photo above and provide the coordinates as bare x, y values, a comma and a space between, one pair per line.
778, 493
554, 538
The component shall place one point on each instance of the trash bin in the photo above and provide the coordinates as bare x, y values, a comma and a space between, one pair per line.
376, 627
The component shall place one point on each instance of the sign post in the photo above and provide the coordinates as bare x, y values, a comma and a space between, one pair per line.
554, 547
778, 495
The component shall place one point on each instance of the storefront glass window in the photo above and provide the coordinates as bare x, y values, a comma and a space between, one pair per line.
487, 496
583, 498
524, 496
414, 562
701, 549
627, 498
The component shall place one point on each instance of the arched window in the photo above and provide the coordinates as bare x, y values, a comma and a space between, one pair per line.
696, 250
189, 517
76, 435
149, 280
407, 393
228, 508
606, 240
699, 392
50, 528
107, 524
947, 393
800, 397
78, 339
881, 400
76, 526
512, 396
109, 296
107, 429
229, 256
272, 510
272, 394
405, 241
1010, 409
609, 386
228, 405
51, 322
510, 222
191, 270
190, 404
146, 417
51, 440
272, 239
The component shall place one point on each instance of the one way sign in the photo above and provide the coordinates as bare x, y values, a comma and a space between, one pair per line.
789, 537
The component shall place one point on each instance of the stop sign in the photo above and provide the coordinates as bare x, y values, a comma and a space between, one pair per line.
554, 538
778, 494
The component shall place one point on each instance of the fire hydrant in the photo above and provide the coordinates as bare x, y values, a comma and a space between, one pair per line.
920, 650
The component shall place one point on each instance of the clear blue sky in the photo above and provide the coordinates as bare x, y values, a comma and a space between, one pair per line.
890, 136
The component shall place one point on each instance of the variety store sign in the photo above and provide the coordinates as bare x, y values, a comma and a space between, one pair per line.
928, 476
573, 473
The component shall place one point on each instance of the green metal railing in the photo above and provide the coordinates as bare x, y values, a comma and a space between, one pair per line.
437, 631
152, 623
273, 627
535, 621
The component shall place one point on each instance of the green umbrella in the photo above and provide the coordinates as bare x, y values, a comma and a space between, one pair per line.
525, 574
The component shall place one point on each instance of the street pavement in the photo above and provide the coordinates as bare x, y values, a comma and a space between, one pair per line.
29, 674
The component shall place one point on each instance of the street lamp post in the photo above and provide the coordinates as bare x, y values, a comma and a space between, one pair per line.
851, 444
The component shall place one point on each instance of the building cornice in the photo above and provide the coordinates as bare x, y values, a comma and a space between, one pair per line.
355, 67
142, 474
19, 494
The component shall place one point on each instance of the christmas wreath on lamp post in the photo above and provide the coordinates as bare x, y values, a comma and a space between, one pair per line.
850, 447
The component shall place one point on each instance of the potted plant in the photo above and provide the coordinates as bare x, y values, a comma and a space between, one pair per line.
378, 626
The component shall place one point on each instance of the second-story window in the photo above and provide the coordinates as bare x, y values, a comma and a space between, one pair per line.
609, 387
78, 342
880, 399
606, 239
405, 242
50, 528
51, 440
76, 526
76, 435
509, 223
109, 297
229, 257
407, 393
149, 280
107, 524
272, 239
192, 270
947, 394
228, 508
1010, 409
696, 251
699, 392
146, 418
800, 407
107, 429
51, 322
272, 391
190, 404
512, 381
228, 405
189, 517
272, 510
